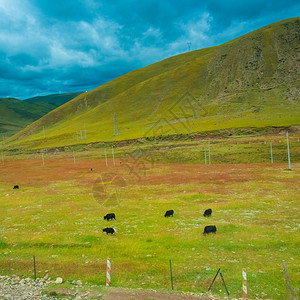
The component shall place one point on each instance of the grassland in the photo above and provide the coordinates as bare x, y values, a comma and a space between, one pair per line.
242, 96
57, 215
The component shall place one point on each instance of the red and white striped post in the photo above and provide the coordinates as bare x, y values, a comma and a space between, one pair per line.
244, 284
108, 271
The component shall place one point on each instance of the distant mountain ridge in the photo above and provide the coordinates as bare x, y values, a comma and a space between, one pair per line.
16, 114
251, 81
55, 100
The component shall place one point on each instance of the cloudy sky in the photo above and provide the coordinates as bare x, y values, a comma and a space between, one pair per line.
59, 46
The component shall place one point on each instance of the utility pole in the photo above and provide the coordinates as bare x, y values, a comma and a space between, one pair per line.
116, 129
84, 131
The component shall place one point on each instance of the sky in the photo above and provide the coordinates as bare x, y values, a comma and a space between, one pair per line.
55, 46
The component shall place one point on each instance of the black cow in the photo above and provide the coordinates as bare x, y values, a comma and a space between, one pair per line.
109, 230
109, 217
207, 212
169, 213
91, 169
16, 187
210, 229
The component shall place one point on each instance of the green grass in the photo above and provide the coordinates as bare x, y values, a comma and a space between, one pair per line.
55, 217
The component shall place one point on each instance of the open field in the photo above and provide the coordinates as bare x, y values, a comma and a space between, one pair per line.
208, 128
57, 215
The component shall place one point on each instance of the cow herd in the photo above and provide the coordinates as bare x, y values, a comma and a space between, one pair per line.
169, 213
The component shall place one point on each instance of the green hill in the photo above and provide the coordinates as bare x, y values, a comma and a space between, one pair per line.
251, 81
16, 114
54, 100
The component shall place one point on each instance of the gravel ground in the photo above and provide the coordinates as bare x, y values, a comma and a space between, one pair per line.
16, 288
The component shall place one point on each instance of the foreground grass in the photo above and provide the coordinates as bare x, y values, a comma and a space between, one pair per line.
57, 215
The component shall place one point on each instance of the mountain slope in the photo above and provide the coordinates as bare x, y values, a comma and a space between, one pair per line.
16, 114
252, 81
54, 100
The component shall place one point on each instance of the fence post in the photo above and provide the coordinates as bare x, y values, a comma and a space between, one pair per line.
209, 161
105, 158
34, 268
271, 153
108, 271
288, 149
287, 280
171, 274
74, 158
244, 284
113, 155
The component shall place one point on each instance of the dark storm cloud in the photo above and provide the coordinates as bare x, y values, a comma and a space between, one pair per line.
54, 46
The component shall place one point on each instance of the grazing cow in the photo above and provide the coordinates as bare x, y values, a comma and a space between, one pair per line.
210, 229
169, 213
207, 212
109, 230
16, 187
109, 217
91, 169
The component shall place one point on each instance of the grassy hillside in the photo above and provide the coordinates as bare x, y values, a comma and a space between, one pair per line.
54, 100
252, 81
16, 114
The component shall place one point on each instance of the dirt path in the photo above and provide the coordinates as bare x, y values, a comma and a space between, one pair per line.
140, 294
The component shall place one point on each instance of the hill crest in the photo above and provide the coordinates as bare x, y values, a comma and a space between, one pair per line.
251, 81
